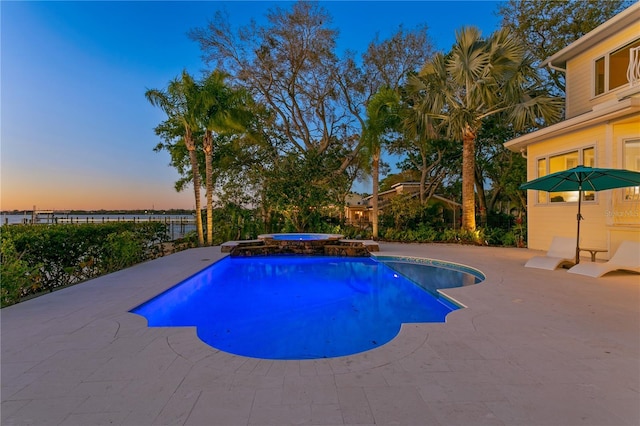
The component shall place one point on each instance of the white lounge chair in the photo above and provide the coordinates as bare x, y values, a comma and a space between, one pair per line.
562, 252
627, 257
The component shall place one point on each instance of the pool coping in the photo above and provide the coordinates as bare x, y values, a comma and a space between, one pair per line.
528, 339
450, 302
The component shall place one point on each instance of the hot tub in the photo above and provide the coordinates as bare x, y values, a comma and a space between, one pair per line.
300, 237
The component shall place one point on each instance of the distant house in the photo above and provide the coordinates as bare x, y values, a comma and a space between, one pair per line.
601, 129
358, 208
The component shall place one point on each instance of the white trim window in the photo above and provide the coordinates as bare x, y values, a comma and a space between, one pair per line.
564, 161
610, 71
631, 156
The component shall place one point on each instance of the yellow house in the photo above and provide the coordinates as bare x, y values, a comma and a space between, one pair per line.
601, 129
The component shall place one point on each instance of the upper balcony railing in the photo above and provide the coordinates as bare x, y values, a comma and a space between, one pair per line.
633, 72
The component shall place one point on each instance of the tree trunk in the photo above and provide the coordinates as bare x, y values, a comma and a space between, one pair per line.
208, 161
424, 170
196, 190
482, 198
468, 179
375, 175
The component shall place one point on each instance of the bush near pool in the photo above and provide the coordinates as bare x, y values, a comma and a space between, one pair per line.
39, 258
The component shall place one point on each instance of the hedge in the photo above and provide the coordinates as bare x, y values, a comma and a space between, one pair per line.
37, 258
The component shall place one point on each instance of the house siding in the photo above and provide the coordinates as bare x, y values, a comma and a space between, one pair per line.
623, 214
608, 220
604, 122
580, 74
559, 219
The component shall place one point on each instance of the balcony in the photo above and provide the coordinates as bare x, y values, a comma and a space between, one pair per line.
633, 75
633, 72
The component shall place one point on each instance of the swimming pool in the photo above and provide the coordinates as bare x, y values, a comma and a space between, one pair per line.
300, 307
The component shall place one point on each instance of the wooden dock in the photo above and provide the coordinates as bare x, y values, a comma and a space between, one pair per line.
177, 225
135, 219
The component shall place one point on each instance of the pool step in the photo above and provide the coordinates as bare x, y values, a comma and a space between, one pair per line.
230, 245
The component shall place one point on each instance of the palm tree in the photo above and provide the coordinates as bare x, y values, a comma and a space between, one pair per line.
179, 101
382, 116
222, 113
432, 153
477, 79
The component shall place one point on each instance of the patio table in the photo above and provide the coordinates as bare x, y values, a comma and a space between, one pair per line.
593, 252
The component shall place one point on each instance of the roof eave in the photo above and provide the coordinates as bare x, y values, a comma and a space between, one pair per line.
625, 107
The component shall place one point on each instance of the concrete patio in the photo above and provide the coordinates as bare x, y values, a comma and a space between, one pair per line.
533, 347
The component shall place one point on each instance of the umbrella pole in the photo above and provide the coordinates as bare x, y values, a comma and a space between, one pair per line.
579, 219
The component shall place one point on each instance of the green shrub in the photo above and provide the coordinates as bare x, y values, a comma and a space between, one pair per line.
122, 250
16, 276
494, 236
425, 232
450, 236
45, 257
189, 240
351, 232
509, 239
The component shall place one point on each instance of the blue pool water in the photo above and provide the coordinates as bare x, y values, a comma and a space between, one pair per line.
296, 307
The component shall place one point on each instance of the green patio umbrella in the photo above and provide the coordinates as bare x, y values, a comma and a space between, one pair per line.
583, 178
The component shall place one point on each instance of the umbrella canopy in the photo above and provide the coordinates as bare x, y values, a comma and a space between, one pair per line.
583, 178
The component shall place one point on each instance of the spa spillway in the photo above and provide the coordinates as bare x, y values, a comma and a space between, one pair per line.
299, 244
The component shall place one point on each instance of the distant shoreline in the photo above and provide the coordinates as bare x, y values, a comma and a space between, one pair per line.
106, 212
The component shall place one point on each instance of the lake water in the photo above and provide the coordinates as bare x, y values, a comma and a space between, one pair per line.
178, 224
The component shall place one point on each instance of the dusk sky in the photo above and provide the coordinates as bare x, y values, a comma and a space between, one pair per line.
76, 131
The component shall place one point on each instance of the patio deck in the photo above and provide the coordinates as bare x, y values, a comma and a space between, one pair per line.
533, 347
